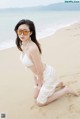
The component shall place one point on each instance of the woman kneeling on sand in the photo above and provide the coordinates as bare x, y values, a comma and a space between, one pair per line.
44, 74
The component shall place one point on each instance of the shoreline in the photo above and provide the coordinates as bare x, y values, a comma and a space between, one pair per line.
2, 47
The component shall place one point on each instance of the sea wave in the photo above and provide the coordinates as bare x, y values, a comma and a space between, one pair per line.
40, 34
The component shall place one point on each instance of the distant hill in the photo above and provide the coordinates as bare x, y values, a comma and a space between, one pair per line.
63, 6
56, 7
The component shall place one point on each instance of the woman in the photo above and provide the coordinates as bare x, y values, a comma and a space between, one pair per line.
44, 74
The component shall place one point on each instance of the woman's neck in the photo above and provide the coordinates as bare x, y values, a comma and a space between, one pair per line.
25, 44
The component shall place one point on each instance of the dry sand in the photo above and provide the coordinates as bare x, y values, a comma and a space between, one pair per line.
62, 51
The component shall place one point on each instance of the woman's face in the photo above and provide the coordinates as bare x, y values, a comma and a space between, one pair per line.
24, 32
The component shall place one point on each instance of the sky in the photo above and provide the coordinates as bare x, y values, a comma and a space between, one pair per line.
25, 3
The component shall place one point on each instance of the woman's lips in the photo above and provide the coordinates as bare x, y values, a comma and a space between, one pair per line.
22, 37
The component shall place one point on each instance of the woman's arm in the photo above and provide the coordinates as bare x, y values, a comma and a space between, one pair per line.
36, 59
35, 80
38, 84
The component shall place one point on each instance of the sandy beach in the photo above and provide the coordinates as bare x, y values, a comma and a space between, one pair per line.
62, 51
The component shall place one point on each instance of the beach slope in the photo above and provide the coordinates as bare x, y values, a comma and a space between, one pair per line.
62, 51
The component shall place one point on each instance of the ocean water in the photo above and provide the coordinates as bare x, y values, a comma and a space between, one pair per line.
46, 23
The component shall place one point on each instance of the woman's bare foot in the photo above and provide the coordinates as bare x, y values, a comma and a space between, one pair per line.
61, 84
71, 91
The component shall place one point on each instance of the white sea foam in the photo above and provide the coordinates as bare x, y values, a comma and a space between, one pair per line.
6, 45
46, 26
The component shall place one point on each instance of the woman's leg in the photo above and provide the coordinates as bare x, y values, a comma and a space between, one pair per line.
58, 94
37, 90
60, 84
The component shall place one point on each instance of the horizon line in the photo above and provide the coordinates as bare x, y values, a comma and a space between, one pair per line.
29, 6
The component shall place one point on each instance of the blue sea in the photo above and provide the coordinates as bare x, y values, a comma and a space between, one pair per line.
46, 22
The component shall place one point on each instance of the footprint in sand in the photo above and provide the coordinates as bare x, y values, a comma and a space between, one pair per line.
32, 107
68, 29
40, 109
74, 108
76, 35
71, 82
71, 75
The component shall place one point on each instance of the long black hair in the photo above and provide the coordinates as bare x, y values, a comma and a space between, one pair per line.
33, 35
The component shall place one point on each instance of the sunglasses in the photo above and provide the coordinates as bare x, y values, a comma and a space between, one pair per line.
25, 32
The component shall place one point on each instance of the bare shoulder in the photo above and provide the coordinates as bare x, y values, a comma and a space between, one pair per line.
33, 49
34, 52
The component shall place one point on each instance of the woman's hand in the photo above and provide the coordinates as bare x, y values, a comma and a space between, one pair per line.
38, 82
35, 80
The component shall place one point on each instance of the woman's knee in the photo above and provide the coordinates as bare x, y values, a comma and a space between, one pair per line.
40, 104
